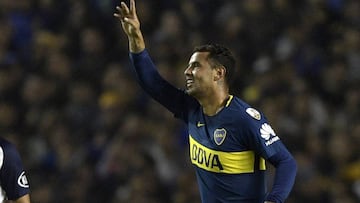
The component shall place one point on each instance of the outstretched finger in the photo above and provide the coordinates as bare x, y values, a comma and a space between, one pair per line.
124, 10
119, 13
132, 7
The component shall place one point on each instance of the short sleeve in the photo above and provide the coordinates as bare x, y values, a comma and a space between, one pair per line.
12, 174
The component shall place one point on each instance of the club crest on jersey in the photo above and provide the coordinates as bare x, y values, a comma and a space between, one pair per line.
219, 136
253, 113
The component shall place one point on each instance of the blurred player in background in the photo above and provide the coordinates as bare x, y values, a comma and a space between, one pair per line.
229, 140
13, 182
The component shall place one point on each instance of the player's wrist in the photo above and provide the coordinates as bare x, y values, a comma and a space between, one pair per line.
136, 43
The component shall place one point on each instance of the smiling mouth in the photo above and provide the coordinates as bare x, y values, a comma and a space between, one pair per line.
189, 82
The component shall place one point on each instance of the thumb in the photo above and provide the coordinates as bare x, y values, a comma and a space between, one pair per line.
130, 21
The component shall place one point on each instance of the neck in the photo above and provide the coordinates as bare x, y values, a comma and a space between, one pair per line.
213, 104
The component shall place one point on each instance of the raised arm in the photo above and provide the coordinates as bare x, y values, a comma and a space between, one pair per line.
148, 77
131, 26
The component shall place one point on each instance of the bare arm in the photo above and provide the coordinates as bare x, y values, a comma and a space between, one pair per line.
23, 199
131, 26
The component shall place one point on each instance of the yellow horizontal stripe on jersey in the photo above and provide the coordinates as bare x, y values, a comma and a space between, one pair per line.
223, 162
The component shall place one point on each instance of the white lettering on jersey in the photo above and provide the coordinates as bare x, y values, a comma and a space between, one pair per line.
268, 134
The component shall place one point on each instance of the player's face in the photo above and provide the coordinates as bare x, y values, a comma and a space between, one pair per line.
199, 75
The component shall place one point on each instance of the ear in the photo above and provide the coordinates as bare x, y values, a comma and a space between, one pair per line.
220, 72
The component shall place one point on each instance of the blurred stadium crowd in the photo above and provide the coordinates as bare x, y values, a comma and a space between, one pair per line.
87, 133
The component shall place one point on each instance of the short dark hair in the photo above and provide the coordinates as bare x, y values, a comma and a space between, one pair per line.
220, 55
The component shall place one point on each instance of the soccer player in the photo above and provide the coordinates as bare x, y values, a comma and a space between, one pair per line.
229, 140
13, 182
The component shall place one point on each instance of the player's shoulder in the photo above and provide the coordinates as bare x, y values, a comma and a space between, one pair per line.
7, 146
245, 111
8, 151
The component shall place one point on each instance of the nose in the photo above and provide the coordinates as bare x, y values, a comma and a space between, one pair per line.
188, 71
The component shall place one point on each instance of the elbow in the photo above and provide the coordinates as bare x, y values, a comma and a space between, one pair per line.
293, 166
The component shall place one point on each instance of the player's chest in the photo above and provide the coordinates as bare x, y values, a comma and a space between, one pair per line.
219, 133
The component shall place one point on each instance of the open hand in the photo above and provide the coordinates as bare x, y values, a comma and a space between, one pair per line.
128, 18
131, 26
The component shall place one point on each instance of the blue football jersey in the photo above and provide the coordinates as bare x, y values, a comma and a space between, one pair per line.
228, 150
13, 181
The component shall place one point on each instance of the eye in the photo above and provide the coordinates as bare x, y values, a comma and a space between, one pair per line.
195, 64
